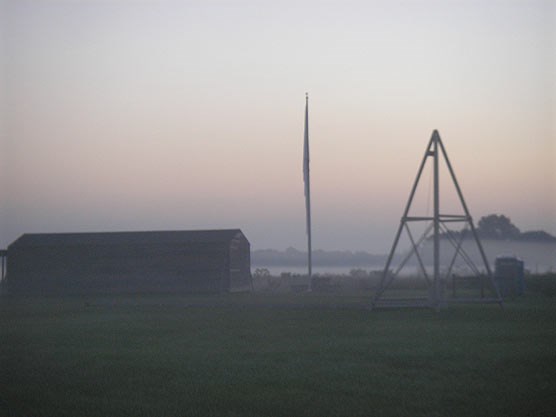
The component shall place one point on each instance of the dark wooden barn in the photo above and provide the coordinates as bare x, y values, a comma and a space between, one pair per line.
190, 261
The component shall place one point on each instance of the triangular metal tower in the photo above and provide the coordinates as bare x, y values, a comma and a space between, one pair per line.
436, 296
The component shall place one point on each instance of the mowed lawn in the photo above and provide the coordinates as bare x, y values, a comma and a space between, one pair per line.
274, 355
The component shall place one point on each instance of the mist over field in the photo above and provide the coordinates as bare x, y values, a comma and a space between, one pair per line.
539, 257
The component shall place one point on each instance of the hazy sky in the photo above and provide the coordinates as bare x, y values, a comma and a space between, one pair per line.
147, 115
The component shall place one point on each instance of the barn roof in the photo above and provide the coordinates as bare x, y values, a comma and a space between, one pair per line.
118, 238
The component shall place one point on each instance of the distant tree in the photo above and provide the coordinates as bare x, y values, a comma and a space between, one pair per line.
358, 273
497, 226
261, 273
537, 236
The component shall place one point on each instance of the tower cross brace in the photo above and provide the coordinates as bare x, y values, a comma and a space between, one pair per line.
435, 149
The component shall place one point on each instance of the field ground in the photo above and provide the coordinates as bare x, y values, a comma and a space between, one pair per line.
274, 355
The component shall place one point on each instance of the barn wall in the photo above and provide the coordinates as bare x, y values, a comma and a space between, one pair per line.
138, 267
240, 264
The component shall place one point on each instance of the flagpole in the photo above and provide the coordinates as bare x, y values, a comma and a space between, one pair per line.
307, 180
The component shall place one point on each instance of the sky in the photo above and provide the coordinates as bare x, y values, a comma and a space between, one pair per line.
162, 115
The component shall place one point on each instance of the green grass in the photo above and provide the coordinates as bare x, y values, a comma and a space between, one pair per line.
274, 355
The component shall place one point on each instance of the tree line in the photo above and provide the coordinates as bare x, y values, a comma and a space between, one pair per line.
500, 227
492, 227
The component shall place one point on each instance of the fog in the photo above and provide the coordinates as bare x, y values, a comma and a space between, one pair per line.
539, 257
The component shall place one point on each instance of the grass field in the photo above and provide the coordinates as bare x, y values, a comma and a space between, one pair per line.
274, 355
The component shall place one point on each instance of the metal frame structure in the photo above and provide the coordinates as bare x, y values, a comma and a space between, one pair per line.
436, 298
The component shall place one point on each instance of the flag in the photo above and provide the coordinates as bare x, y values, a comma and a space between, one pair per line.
307, 182
306, 178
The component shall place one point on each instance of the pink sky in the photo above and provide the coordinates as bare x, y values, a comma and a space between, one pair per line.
130, 115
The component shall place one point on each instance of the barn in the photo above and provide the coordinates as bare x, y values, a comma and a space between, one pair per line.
160, 261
